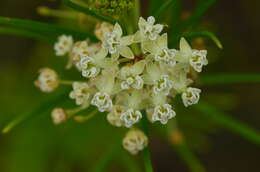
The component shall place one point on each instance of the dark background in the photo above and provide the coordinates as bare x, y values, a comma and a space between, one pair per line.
237, 25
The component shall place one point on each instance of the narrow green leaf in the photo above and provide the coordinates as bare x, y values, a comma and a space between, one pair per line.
50, 104
228, 122
166, 5
212, 79
24, 33
146, 153
208, 34
108, 156
44, 28
82, 7
177, 140
188, 157
198, 12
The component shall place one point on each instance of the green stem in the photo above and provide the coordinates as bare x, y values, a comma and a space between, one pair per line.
178, 142
146, 153
212, 79
208, 34
44, 28
50, 104
46, 11
229, 123
81, 118
24, 33
81, 7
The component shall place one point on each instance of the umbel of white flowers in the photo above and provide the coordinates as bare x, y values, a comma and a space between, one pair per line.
123, 84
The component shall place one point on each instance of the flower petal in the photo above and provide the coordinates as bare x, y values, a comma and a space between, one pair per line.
126, 52
118, 30
127, 40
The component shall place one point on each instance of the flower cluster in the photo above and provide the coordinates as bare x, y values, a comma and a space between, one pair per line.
126, 83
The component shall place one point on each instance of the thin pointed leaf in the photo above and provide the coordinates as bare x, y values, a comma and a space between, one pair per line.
228, 122
212, 79
81, 7
24, 33
177, 141
108, 156
188, 157
207, 34
50, 104
44, 28
167, 4
198, 12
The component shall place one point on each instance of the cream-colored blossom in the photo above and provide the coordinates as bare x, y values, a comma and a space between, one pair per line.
116, 44
81, 92
148, 29
195, 58
130, 117
159, 50
113, 117
64, 45
191, 96
58, 115
163, 113
102, 101
135, 141
102, 28
48, 80
130, 76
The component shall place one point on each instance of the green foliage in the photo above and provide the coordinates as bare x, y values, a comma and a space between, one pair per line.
213, 79
47, 30
229, 123
25, 33
206, 34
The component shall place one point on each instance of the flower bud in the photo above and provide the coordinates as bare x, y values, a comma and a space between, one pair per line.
135, 141
48, 80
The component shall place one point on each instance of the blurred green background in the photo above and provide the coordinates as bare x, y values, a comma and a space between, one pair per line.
36, 145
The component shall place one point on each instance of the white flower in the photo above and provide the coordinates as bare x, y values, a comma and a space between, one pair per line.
102, 101
191, 96
159, 50
135, 141
48, 80
103, 28
88, 67
148, 29
58, 116
163, 85
116, 44
163, 113
80, 92
130, 76
64, 45
130, 117
196, 58
113, 117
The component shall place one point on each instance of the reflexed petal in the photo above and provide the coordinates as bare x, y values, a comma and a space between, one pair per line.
102, 53
150, 46
151, 20
115, 55
118, 29
126, 52
185, 47
137, 37
127, 40
141, 22
162, 41
139, 67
